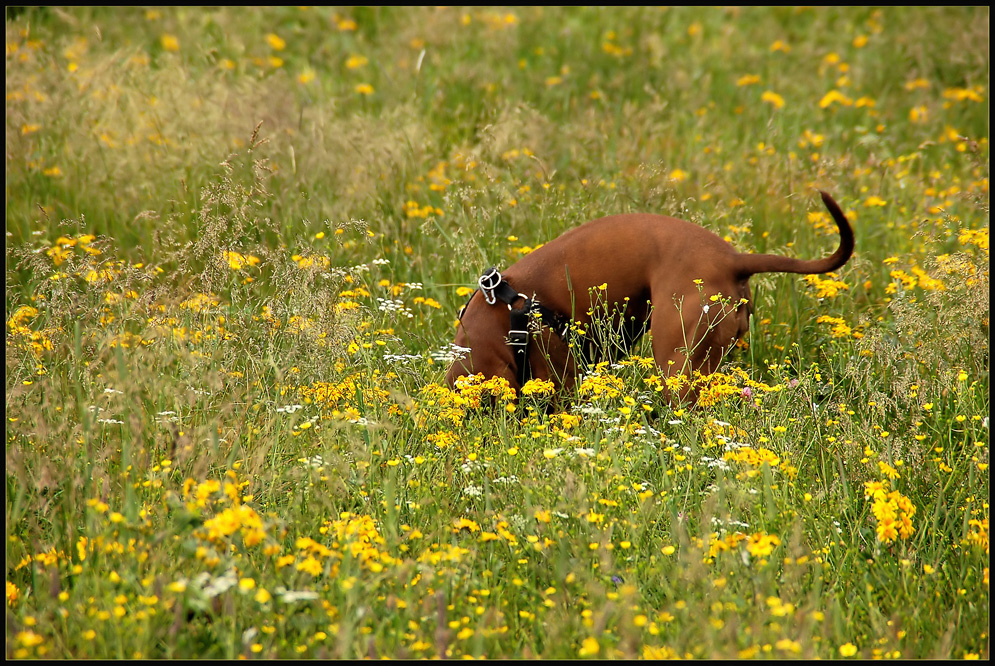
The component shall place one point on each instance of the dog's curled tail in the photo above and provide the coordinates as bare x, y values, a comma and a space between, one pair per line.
772, 263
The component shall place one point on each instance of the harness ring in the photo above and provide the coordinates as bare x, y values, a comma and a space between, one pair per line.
488, 282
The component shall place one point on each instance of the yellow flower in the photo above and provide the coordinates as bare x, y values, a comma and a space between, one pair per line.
772, 98
364, 89
21, 315
465, 524
538, 387
590, 646
170, 43
762, 545
888, 471
961, 94
237, 261
747, 80
887, 531
873, 489
275, 42
848, 650
310, 565
826, 288
834, 97
356, 61
29, 638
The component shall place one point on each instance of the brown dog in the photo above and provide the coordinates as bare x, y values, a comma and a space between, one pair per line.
612, 269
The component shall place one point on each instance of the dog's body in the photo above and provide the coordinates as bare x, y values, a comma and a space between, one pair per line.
642, 259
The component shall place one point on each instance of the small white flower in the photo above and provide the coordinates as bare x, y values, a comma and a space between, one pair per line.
313, 461
220, 584
401, 358
450, 354
290, 596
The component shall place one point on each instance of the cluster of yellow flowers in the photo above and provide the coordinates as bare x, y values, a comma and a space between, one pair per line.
753, 457
976, 237
414, 209
919, 278
237, 261
474, 388
978, 535
828, 288
892, 511
840, 328
759, 544
601, 386
25, 338
64, 247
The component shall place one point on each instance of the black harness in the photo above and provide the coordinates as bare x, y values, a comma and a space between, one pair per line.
495, 288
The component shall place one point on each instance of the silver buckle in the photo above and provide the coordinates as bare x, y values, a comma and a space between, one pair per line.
518, 338
488, 282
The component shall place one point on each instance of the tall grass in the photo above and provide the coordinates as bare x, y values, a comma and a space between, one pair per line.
236, 243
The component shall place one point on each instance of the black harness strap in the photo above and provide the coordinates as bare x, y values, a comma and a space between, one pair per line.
496, 288
518, 340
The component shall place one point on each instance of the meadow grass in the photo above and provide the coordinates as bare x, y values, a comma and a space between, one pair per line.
236, 243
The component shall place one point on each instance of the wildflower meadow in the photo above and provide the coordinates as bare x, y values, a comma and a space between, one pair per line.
237, 241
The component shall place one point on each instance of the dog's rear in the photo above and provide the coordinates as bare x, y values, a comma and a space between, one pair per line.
751, 264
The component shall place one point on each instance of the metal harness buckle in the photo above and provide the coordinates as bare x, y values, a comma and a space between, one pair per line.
518, 338
488, 282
